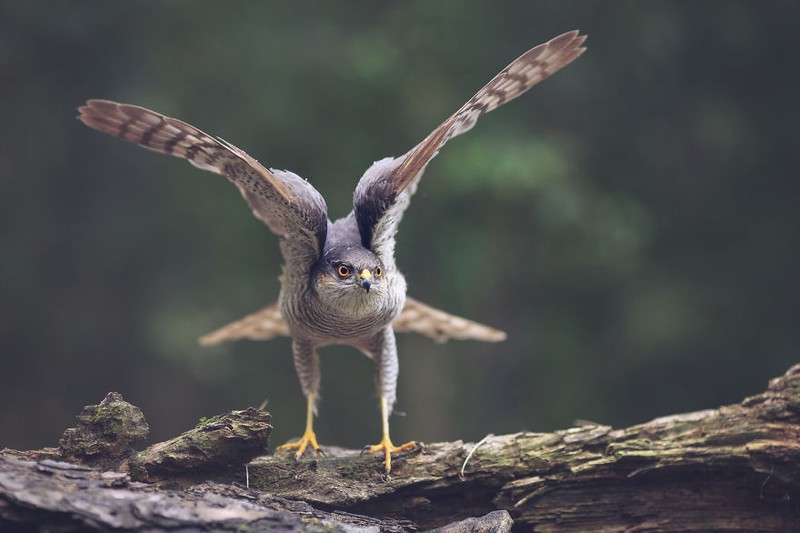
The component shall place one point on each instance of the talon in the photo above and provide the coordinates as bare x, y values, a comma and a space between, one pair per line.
307, 441
386, 446
309, 438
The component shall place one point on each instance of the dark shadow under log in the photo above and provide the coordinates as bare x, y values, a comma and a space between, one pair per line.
735, 468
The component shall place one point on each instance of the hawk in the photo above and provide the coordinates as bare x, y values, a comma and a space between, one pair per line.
340, 283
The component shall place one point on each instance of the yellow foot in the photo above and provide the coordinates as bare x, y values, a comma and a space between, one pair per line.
308, 439
388, 449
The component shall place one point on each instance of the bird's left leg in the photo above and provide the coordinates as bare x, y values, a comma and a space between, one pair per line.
384, 351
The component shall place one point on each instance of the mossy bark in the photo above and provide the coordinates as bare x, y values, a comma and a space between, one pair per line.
735, 468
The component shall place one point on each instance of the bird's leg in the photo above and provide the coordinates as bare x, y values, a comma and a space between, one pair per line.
385, 445
306, 363
383, 350
309, 438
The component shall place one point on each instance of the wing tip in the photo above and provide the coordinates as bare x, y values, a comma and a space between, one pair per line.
211, 339
497, 336
569, 40
490, 334
97, 114
571, 34
85, 111
94, 105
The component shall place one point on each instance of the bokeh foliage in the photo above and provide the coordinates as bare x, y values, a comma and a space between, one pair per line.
632, 222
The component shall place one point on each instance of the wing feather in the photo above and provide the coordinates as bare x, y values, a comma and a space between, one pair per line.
263, 325
384, 191
268, 323
441, 326
288, 204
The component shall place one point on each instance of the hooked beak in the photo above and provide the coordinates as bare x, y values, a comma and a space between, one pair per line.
366, 279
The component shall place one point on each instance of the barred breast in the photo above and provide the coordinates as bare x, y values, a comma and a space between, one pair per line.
342, 316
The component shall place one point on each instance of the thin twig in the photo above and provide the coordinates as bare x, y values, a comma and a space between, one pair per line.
469, 455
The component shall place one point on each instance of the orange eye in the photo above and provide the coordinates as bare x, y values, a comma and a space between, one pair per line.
378, 272
343, 271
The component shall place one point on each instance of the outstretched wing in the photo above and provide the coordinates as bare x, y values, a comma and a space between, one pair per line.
263, 325
268, 323
288, 204
384, 192
441, 326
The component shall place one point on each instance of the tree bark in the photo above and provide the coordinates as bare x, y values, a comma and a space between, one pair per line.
735, 468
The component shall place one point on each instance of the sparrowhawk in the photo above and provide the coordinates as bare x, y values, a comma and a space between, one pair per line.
340, 283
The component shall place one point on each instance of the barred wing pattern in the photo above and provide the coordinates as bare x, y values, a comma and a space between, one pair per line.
385, 191
441, 326
268, 323
263, 325
286, 203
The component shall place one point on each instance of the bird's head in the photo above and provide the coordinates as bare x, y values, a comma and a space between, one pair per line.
350, 272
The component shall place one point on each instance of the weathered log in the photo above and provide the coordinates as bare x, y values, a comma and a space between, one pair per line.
56, 496
736, 468
218, 447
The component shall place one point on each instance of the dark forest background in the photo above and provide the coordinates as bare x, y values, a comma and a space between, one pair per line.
632, 223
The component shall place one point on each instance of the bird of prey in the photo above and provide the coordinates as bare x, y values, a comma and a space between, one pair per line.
340, 283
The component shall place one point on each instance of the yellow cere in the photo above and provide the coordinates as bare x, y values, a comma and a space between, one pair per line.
365, 274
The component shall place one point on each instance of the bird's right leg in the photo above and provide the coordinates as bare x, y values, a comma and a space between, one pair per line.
306, 363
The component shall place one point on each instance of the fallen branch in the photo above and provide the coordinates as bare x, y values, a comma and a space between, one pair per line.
736, 468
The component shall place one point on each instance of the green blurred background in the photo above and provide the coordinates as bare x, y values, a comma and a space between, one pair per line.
632, 223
